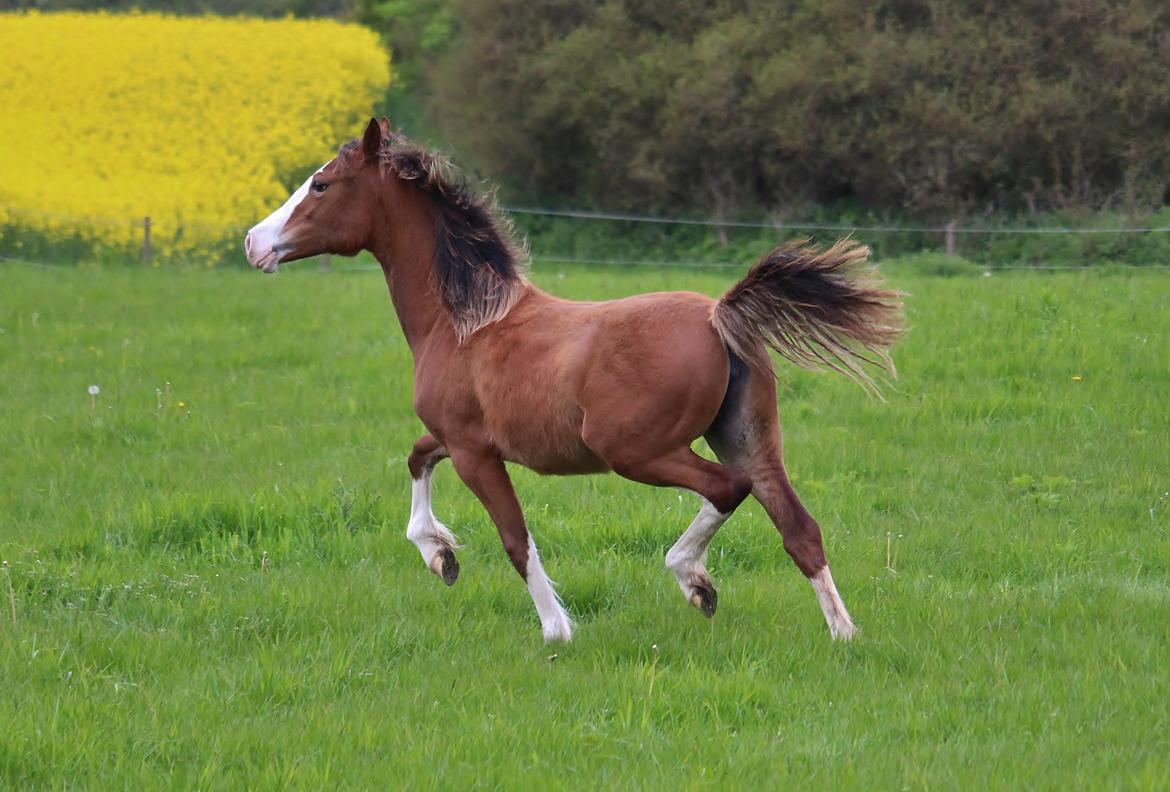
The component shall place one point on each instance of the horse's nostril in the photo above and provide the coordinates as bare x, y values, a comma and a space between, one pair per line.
248, 244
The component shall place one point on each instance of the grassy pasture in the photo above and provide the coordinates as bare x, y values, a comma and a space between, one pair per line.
206, 582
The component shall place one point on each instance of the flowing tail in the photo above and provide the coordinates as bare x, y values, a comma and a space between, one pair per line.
814, 308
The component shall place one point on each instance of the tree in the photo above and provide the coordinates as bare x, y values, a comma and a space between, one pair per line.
938, 108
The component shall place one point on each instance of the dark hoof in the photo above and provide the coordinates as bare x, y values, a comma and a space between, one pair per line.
445, 566
705, 599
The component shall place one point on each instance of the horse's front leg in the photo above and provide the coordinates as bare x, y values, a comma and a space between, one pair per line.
484, 473
434, 540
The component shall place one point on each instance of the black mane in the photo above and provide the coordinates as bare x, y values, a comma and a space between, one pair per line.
477, 260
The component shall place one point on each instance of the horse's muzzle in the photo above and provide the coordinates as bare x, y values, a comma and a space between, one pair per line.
263, 256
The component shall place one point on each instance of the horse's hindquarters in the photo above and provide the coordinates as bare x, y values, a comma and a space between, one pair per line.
656, 376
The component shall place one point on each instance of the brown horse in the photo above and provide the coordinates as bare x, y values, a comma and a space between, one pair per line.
505, 372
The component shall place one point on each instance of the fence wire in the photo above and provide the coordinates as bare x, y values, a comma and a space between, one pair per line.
224, 231
581, 214
537, 261
710, 222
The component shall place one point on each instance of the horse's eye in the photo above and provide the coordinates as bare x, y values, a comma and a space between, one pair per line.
318, 187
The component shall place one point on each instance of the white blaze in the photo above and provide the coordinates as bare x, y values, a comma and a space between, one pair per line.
264, 237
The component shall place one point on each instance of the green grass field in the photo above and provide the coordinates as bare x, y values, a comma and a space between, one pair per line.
206, 582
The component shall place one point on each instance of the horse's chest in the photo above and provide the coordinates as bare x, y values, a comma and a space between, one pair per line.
515, 392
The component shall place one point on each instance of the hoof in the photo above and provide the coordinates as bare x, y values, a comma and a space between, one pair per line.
843, 631
445, 566
705, 599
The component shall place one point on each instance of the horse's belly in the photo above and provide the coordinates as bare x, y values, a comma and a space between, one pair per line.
565, 462
545, 441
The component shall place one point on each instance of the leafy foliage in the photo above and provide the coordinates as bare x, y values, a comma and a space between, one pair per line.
417, 31
940, 108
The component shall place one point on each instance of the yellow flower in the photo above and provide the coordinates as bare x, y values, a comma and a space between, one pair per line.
1077, 377
182, 405
191, 121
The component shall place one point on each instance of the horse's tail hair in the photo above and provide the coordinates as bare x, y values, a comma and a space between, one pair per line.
815, 308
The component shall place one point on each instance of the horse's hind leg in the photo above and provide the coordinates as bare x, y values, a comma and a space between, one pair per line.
434, 540
721, 489
802, 540
746, 434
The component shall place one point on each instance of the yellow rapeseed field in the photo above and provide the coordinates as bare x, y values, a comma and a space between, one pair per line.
192, 121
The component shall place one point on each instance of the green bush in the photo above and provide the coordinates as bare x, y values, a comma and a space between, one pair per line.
936, 109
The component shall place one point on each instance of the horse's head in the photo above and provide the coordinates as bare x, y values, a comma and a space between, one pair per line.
332, 212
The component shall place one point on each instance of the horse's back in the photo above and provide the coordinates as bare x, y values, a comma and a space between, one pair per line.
659, 339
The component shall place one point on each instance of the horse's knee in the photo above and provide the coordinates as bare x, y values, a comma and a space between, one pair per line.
427, 453
516, 546
803, 543
732, 490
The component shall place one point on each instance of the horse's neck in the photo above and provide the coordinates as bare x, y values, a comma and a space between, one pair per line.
407, 257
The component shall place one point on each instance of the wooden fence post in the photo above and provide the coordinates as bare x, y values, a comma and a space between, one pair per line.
326, 262
951, 239
146, 251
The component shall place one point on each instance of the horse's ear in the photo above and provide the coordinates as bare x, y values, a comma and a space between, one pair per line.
384, 124
372, 140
